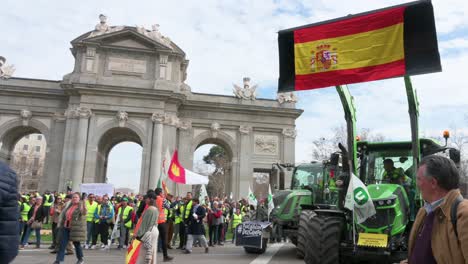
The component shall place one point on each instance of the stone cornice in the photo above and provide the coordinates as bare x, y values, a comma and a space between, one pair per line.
245, 109
117, 91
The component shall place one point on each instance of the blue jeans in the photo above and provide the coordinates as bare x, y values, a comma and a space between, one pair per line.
63, 245
21, 227
28, 233
90, 231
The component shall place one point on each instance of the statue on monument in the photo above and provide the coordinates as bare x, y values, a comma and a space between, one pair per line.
6, 71
248, 93
289, 97
102, 27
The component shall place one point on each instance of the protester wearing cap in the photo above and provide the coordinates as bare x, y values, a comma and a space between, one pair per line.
125, 221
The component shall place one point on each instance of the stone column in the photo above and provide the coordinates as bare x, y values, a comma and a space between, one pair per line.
68, 147
80, 147
156, 149
243, 177
53, 160
288, 150
185, 151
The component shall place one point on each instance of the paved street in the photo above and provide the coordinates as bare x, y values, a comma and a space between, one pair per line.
276, 253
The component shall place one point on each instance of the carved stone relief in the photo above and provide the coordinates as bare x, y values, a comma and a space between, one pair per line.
289, 132
266, 144
245, 130
25, 116
215, 127
122, 118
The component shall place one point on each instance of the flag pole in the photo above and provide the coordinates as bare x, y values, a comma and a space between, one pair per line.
353, 219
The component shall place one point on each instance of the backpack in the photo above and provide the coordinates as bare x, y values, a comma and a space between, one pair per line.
453, 213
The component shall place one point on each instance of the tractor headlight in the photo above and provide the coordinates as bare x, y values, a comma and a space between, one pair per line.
390, 201
381, 202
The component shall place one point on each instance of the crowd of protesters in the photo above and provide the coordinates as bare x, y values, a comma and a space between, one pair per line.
182, 222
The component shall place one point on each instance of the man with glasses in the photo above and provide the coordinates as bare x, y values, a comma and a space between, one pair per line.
91, 207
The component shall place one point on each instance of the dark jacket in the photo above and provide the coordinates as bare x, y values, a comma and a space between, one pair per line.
40, 214
9, 215
195, 226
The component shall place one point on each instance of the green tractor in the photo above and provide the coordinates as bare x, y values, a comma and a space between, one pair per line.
305, 183
332, 233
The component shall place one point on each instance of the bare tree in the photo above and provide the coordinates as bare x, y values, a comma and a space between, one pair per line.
323, 147
29, 168
217, 157
459, 140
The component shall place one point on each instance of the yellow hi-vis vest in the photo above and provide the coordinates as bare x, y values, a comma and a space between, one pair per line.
188, 207
178, 217
91, 208
46, 200
236, 220
25, 211
125, 215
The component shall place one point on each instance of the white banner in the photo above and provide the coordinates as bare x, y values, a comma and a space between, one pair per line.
97, 188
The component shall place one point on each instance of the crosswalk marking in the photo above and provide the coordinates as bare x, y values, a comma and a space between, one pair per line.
268, 255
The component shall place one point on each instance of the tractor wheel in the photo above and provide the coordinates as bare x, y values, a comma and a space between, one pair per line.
323, 240
304, 219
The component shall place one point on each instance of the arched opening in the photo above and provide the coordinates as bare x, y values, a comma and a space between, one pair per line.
124, 167
119, 159
24, 149
213, 158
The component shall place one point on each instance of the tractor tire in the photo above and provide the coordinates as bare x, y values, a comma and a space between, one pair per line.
304, 219
323, 240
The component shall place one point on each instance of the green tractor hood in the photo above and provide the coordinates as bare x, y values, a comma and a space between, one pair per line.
391, 206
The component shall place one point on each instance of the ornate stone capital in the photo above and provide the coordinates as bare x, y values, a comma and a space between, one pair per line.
59, 116
245, 130
171, 119
25, 116
72, 113
289, 132
84, 112
185, 124
157, 117
122, 118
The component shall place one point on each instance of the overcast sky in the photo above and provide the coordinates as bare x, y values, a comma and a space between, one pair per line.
227, 40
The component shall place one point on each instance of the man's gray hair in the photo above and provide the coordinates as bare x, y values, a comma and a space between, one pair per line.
443, 170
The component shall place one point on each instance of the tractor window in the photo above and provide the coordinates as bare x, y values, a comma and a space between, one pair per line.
376, 169
307, 177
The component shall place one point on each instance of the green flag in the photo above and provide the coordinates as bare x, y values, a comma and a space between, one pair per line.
271, 205
159, 185
358, 199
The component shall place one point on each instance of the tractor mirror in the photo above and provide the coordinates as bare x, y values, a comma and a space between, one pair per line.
454, 155
335, 159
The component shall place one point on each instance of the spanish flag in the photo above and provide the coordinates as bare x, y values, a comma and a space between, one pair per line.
133, 252
179, 174
391, 42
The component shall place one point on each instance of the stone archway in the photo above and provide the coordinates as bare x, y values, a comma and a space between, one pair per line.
108, 140
11, 132
29, 163
227, 143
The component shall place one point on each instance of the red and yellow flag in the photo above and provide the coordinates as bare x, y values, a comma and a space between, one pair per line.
179, 174
380, 44
133, 252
